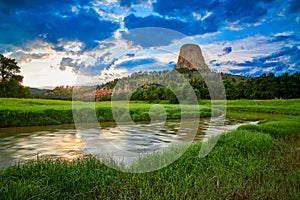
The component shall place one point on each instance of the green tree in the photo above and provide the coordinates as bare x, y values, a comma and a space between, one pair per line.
230, 90
10, 80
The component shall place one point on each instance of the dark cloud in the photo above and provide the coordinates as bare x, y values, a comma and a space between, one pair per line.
84, 27
8, 6
280, 38
151, 36
226, 50
128, 3
214, 63
285, 37
70, 62
244, 11
50, 22
293, 53
23, 56
294, 6
221, 12
187, 28
130, 55
280, 62
179, 8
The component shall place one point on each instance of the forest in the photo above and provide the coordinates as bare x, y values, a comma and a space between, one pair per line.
156, 86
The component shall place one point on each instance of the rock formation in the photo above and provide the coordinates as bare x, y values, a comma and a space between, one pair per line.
190, 57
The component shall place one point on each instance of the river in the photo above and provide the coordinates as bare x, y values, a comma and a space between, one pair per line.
18, 144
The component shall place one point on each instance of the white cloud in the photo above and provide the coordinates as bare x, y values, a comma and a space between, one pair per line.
286, 33
46, 76
109, 74
71, 46
242, 50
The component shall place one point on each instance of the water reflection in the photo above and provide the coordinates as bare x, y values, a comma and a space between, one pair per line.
65, 142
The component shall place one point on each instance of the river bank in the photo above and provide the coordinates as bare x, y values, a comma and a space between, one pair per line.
254, 161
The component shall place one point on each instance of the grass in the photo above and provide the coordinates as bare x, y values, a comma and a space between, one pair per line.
278, 128
252, 162
32, 112
276, 106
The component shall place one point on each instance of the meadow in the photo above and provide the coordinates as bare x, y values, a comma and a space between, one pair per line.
252, 162
31, 112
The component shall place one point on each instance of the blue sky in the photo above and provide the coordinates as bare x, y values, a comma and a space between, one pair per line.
62, 42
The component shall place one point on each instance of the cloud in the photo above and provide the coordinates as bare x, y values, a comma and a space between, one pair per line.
7, 6
188, 28
76, 64
30, 51
130, 55
226, 50
285, 60
98, 37
26, 57
244, 11
53, 21
178, 7
109, 74
220, 12
129, 3
285, 36
147, 37
294, 6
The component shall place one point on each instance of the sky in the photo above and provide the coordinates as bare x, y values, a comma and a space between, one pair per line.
79, 41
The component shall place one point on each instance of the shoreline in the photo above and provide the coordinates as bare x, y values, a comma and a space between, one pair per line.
246, 163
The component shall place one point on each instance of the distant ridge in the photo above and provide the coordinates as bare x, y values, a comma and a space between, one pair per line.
190, 57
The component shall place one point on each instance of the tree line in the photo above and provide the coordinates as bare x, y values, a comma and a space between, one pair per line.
266, 86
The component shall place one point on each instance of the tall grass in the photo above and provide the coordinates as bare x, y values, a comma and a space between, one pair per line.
280, 128
253, 162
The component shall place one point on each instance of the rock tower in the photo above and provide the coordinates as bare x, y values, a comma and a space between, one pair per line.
190, 57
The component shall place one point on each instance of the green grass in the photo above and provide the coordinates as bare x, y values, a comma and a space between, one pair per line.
277, 106
30, 112
253, 162
279, 128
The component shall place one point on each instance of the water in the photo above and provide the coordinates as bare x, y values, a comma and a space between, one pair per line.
23, 143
